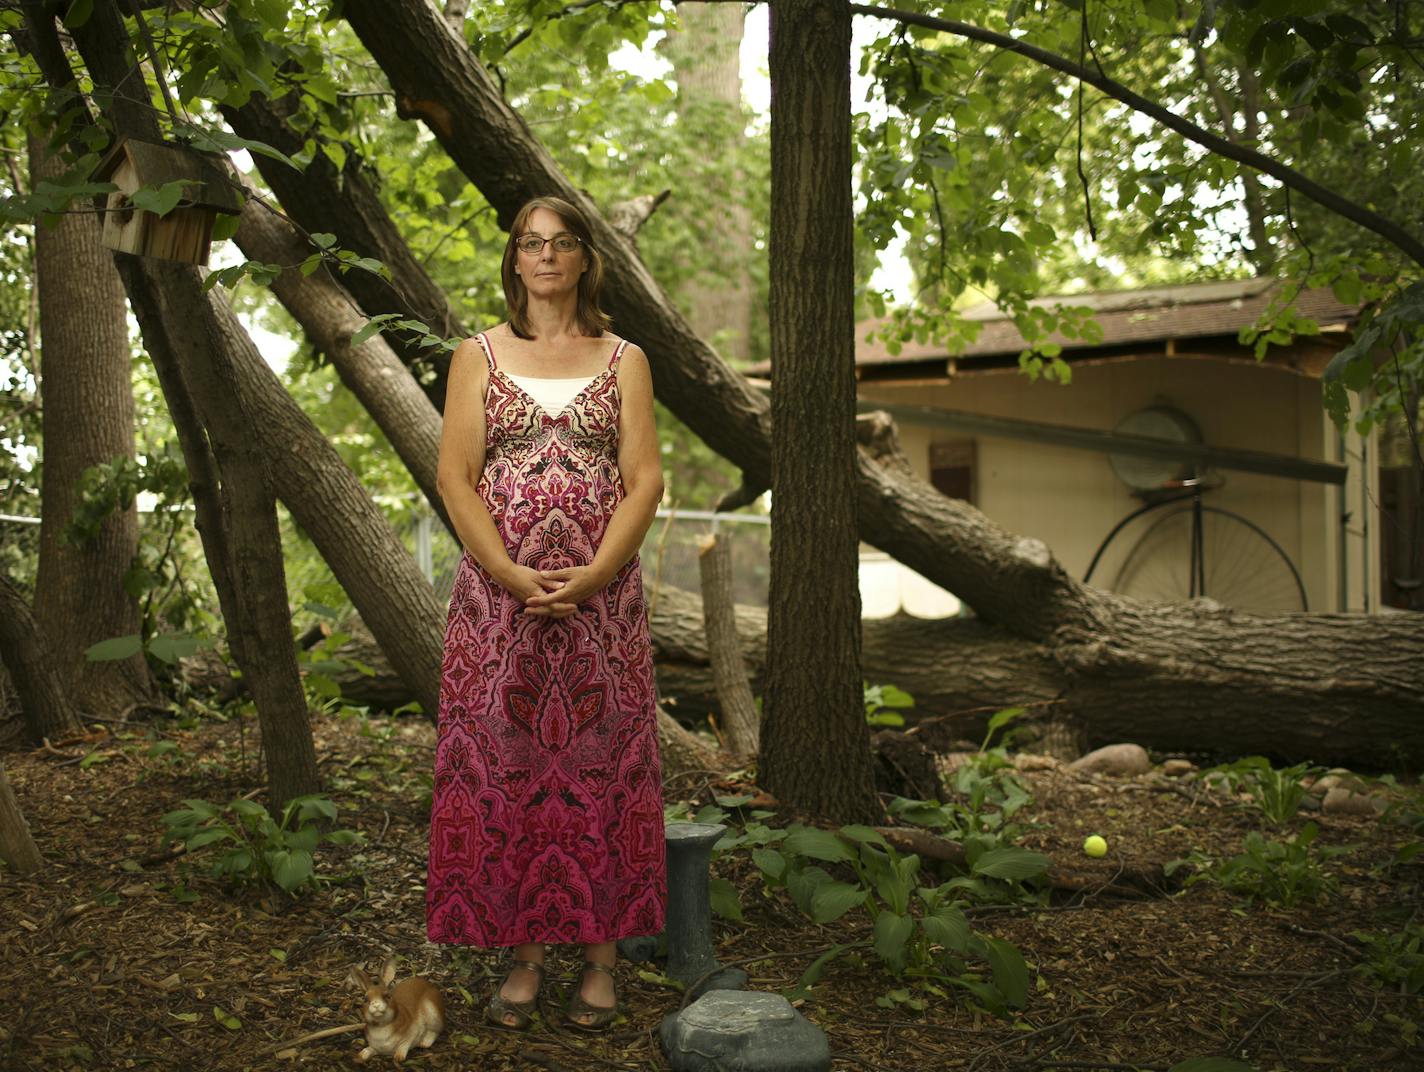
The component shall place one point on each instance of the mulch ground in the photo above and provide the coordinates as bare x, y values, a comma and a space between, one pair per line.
119, 955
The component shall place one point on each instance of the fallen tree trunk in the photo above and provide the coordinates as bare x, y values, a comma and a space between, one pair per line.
965, 668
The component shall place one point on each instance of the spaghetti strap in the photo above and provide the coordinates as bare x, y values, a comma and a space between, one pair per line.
488, 349
617, 353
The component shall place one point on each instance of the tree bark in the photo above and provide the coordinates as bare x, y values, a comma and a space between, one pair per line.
26, 655
182, 331
705, 51
17, 846
815, 744
346, 204
87, 420
735, 702
370, 370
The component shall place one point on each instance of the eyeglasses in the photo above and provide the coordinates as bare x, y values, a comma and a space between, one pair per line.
563, 243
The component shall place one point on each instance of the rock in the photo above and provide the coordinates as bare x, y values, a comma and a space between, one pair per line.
1342, 801
1175, 768
1027, 761
1121, 759
1339, 778
744, 1030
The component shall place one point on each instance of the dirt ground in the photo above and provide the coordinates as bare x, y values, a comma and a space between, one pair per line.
122, 955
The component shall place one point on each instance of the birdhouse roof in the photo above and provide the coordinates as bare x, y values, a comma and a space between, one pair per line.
157, 163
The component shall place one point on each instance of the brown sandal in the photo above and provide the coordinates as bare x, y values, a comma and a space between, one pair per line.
601, 1015
522, 1011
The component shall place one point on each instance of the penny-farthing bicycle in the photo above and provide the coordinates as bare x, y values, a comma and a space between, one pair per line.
1176, 547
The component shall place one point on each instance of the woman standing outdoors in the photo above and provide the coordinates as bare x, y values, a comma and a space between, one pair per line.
546, 819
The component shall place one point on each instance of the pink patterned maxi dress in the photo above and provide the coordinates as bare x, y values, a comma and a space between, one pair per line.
547, 820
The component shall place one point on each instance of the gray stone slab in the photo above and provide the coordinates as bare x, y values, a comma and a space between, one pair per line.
743, 1031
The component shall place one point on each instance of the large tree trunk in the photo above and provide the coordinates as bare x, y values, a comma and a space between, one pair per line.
815, 744
88, 420
25, 653
1009, 580
182, 329
705, 51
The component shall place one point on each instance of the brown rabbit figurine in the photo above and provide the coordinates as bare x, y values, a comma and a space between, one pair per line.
399, 1017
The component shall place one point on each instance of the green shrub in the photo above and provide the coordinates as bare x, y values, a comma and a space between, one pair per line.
259, 849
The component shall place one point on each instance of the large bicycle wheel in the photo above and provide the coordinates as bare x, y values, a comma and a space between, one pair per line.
1239, 564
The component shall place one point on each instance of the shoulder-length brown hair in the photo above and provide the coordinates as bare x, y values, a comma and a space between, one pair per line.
592, 320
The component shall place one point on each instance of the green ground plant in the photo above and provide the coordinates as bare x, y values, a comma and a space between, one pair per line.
1276, 792
1281, 873
260, 850
1396, 959
920, 934
883, 704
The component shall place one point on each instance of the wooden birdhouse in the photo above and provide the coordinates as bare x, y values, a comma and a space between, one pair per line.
185, 232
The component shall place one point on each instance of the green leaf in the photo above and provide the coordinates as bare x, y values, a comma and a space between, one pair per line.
833, 899
1010, 970
892, 936
248, 809
771, 862
161, 200
122, 647
170, 647
78, 14
1013, 864
225, 226
812, 975
949, 927
207, 837
290, 870
817, 844
305, 838
370, 328
227, 1019
725, 900
1210, 1064
734, 800
866, 835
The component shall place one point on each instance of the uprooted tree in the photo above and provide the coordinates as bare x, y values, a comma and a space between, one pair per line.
1333, 686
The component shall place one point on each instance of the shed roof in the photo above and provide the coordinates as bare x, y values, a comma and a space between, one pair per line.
1148, 315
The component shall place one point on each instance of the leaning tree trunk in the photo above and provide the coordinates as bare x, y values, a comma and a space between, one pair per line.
815, 744
26, 654
1011, 581
370, 370
88, 419
346, 204
17, 846
182, 333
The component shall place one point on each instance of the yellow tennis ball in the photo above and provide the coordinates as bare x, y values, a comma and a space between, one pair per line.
1093, 845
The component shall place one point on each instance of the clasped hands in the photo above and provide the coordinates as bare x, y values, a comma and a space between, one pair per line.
554, 593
